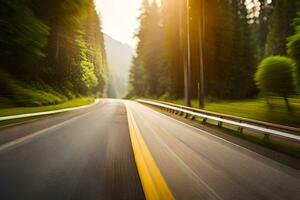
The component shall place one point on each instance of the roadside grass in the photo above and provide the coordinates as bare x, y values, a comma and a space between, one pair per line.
23, 110
275, 112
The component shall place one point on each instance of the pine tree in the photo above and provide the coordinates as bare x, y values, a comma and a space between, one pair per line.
137, 76
173, 51
149, 76
23, 38
280, 26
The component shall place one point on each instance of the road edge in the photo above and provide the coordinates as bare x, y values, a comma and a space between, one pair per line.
4, 118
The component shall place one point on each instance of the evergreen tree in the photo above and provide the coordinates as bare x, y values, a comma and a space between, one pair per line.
293, 46
173, 52
59, 46
280, 26
137, 74
23, 37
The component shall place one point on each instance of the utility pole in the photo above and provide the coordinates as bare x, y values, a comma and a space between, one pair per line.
201, 26
185, 50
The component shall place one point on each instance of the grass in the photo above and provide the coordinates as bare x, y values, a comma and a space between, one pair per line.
23, 110
257, 109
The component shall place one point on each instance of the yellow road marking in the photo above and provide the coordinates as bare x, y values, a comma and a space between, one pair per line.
154, 185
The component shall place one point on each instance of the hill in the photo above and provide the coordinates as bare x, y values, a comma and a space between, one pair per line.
119, 60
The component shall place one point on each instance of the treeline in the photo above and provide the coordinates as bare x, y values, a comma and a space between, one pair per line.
50, 51
237, 37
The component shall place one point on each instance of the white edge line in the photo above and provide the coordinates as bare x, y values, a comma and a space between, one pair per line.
30, 136
47, 112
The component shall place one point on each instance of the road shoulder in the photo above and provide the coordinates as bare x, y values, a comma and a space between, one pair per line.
272, 154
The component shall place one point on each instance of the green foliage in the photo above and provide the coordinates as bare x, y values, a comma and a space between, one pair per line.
148, 73
276, 76
23, 38
22, 34
280, 26
84, 77
50, 44
229, 55
293, 46
236, 38
27, 96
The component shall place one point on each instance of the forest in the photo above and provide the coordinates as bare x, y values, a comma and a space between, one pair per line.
50, 52
241, 39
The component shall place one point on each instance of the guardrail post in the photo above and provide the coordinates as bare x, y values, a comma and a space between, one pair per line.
240, 129
266, 137
220, 124
204, 120
186, 115
192, 117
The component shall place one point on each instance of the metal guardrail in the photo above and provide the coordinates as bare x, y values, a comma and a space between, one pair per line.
264, 127
47, 112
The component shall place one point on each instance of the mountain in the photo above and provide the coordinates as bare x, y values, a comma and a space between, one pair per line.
119, 60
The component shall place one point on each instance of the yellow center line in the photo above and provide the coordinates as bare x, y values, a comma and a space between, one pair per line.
154, 185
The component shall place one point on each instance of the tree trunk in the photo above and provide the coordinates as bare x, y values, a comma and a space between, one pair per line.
286, 100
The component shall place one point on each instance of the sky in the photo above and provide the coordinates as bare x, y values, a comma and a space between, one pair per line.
120, 18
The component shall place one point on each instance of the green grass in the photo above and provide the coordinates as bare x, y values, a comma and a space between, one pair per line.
23, 110
257, 109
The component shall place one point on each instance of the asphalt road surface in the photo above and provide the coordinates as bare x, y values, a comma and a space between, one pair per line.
89, 155
85, 157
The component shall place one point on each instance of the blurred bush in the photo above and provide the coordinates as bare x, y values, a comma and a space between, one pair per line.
20, 94
276, 75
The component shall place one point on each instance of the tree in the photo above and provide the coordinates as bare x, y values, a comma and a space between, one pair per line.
149, 75
137, 85
172, 50
276, 76
280, 26
59, 48
23, 37
260, 16
229, 56
75, 28
156, 75
293, 46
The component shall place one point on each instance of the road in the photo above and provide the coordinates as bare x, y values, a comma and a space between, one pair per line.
88, 156
94, 155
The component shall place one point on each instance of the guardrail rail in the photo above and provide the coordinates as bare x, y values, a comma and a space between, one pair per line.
265, 128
